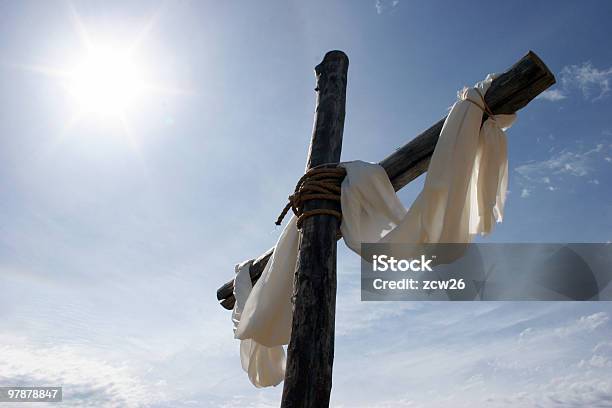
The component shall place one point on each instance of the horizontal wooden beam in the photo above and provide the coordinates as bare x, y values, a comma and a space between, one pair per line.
508, 93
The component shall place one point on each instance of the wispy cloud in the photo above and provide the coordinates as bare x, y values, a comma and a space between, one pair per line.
585, 388
385, 5
504, 357
601, 358
593, 83
584, 325
552, 95
566, 163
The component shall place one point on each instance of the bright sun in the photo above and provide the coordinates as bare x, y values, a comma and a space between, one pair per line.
107, 82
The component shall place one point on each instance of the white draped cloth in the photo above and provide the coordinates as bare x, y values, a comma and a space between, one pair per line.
463, 195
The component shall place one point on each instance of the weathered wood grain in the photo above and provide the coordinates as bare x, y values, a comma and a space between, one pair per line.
310, 354
508, 93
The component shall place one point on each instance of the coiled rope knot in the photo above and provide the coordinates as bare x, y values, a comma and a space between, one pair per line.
318, 183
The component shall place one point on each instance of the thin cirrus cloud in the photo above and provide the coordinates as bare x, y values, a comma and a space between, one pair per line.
575, 384
593, 83
383, 6
552, 95
510, 363
566, 163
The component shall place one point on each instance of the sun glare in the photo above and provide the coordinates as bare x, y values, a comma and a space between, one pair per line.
107, 82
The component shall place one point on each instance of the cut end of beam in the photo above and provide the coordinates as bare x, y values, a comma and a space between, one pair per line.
538, 61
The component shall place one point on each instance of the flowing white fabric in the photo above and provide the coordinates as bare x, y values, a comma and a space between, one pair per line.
463, 195
264, 365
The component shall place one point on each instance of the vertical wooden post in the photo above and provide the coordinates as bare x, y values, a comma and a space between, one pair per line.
310, 354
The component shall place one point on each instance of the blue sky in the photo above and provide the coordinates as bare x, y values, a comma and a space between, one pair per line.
115, 235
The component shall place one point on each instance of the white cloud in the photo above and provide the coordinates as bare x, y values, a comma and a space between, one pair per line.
583, 389
596, 360
550, 172
526, 333
495, 359
574, 390
584, 324
553, 95
385, 5
603, 347
592, 82
379, 7
562, 163
86, 380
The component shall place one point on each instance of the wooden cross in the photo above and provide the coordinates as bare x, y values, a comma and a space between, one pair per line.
310, 354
